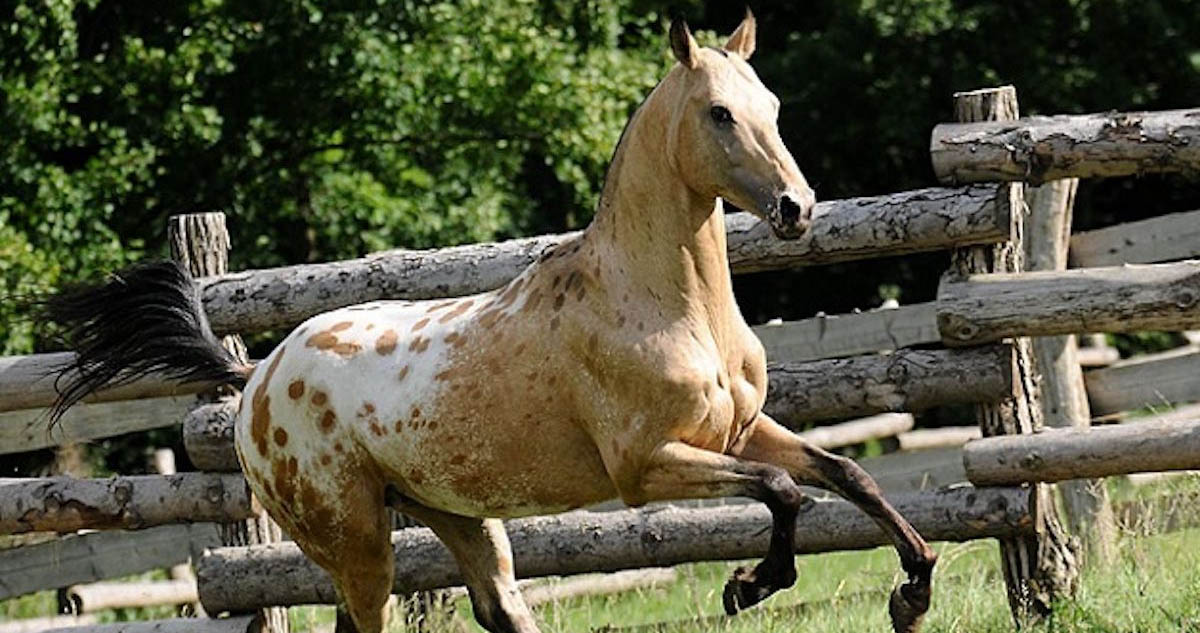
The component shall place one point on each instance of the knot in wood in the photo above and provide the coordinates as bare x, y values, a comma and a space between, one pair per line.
214, 493
1032, 461
1184, 298
957, 327
897, 372
123, 492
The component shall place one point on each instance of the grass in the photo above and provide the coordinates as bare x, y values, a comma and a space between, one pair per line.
1151, 586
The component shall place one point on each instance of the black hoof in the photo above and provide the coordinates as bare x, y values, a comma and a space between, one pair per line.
747, 588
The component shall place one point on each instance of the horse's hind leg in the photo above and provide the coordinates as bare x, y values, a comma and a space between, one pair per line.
484, 556
769, 442
343, 525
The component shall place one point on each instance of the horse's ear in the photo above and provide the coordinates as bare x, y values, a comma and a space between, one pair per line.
683, 44
742, 41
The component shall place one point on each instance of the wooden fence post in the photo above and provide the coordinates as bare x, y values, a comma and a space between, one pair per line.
1038, 568
200, 242
1064, 398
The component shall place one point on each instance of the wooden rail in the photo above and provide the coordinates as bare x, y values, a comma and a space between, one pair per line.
64, 504
908, 222
244, 578
1062, 454
1040, 149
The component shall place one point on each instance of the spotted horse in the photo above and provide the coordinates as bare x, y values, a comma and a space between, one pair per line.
616, 366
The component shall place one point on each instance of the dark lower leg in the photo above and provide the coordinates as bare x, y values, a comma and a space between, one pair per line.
680, 471
774, 444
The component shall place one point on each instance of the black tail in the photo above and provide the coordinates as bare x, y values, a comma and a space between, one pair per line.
146, 319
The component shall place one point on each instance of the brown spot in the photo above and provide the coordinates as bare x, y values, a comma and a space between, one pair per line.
416, 412
280, 436
338, 327
328, 421
296, 389
457, 460
554, 322
308, 496
531, 376
462, 340
593, 342
432, 425
445, 374
416, 477
346, 350
319, 398
260, 422
641, 326
325, 459
260, 403
285, 488
533, 301
518, 349
370, 326
489, 319
451, 337
558, 301
580, 292
292, 466
337, 446
399, 425
554, 286
621, 321
439, 306
377, 428
419, 344
386, 343
368, 408
321, 340
420, 324
457, 312
403, 373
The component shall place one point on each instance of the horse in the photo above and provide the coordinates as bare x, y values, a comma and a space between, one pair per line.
618, 365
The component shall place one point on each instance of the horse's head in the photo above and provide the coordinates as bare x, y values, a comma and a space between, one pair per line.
723, 137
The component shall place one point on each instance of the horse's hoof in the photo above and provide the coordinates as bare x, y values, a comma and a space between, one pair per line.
907, 606
744, 590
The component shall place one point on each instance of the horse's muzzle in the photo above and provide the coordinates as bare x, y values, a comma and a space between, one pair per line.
792, 216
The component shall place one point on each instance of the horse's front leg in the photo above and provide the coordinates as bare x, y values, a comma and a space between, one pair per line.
680, 471
767, 441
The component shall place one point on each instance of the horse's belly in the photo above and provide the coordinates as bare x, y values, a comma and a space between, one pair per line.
492, 469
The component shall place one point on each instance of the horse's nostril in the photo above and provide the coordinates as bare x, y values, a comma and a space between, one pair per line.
789, 211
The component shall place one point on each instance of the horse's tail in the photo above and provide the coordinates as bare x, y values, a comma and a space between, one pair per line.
145, 319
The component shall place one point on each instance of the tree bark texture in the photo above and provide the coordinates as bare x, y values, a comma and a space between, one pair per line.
64, 504
99, 596
200, 242
1063, 396
1161, 239
80, 558
907, 380
1153, 380
1042, 149
240, 624
208, 436
914, 221
27, 382
242, 578
981, 308
1063, 454
1041, 567
835, 336
28, 429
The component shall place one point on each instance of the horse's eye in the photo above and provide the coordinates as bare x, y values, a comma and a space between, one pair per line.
720, 115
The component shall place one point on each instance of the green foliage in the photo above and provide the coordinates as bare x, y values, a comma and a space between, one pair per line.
324, 130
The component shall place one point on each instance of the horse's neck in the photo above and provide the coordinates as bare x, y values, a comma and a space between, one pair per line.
659, 234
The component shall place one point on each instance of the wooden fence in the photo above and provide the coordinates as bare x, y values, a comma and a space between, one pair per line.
878, 364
